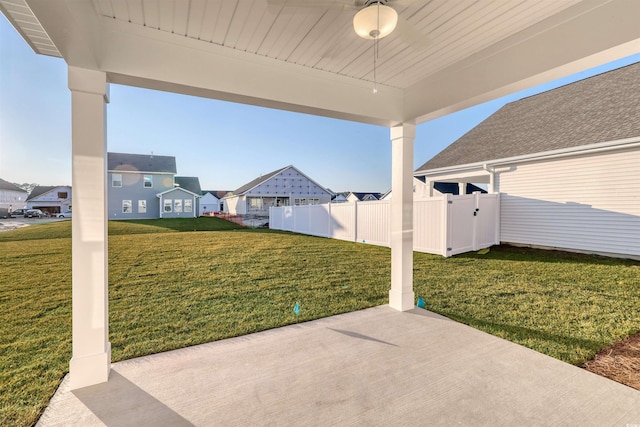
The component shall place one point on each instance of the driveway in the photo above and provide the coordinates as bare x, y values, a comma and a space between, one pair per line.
13, 223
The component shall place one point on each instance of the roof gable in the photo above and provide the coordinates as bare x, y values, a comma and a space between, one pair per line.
39, 190
6, 185
126, 162
191, 183
252, 184
601, 108
177, 189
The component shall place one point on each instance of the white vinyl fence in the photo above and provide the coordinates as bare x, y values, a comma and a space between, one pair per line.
446, 225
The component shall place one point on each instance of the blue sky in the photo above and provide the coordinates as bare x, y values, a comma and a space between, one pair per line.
224, 144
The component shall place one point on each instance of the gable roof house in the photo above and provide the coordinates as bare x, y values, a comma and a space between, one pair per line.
11, 196
51, 199
558, 159
139, 184
363, 197
283, 187
211, 201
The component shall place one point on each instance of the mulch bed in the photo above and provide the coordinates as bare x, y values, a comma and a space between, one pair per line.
620, 362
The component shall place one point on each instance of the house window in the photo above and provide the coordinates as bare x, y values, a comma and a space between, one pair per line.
116, 180
177, 205
142, 206
188, 205
62, 195
168, 203
148, 181
314, 201
255, 203
300, 202
126, 206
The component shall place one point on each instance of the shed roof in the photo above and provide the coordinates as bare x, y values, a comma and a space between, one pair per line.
127, 162
601, 108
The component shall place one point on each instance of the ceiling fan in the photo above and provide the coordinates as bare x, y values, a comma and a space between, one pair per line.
374, 19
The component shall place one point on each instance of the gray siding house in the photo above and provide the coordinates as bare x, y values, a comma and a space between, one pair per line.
134, 183
283, 187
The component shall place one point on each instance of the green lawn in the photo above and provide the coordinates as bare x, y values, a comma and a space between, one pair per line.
186, 287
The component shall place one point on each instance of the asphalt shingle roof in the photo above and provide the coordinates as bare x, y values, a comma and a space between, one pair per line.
602, 108
258, 181
39, 190
141, 163
6, 185
189, 183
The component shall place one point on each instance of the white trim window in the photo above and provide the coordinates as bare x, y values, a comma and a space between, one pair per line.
177, 205
116, 180
126, 206
188, 205
142, 206
147, 181
168, 203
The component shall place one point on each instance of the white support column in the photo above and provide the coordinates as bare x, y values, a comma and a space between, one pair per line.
91, 360
401, 296
462, 188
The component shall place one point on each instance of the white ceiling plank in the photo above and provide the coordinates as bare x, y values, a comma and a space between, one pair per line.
223, 21
120, 10
165, 15
181, 17
150, 10
196, 13
136, 14
243, 21
209, 19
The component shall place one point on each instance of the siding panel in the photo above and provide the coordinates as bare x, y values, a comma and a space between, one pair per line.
587, 203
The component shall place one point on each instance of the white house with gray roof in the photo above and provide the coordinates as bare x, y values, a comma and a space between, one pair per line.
51, 199
283, 187
11, 197
566, 162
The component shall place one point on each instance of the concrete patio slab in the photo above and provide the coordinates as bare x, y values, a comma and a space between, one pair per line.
373, 367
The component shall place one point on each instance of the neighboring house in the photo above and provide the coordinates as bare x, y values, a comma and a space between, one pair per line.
211, 201
178, 203
340, 197
11, 196
135, 182
51, 199
363, 197
191, 184
438, 189
565, 162
283, 187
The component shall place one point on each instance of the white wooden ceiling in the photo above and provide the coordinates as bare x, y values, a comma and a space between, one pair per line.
304, 55
323, 38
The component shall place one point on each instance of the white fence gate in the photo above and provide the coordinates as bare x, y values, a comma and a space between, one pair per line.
446, 226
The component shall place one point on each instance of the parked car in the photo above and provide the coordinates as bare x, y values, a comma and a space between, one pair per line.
18, 212
33, 213
65, 214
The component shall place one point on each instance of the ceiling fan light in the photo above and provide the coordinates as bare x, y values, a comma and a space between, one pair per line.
368, 26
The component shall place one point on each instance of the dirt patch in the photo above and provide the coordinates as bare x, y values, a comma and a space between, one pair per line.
620, 362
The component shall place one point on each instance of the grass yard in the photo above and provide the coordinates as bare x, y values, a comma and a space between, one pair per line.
185, 287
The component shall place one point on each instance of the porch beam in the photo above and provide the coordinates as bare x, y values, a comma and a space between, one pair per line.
401, 296
91, 360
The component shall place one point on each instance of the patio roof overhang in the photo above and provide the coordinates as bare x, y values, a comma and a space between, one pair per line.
299, 57
471, 52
